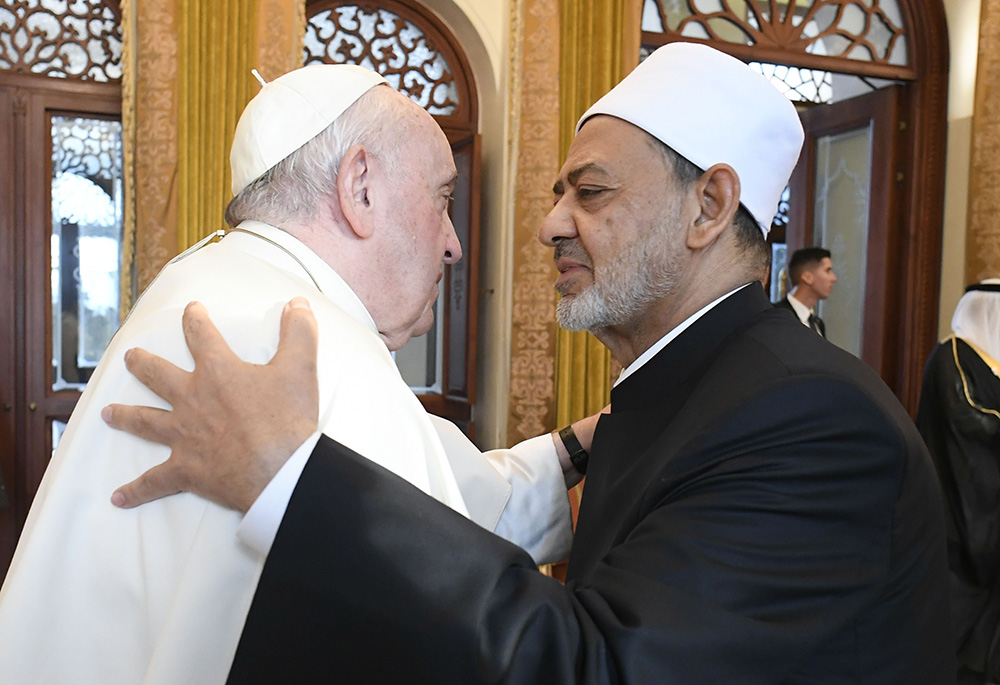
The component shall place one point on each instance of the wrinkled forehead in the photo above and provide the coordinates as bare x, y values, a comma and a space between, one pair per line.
609, 138
608, 146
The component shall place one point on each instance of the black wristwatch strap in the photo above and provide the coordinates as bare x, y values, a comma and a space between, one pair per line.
577, 455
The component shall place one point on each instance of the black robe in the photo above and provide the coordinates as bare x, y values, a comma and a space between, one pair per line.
759, 509
965, 443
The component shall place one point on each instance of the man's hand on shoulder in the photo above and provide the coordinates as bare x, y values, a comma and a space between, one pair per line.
233, 424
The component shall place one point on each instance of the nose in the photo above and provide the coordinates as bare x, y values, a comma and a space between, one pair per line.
452, 247
557, 225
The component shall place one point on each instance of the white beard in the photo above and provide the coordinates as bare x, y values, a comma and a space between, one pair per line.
643, 273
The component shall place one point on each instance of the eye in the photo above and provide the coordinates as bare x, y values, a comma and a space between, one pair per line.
585, 192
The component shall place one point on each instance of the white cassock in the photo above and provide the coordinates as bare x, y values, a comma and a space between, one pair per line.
159, 594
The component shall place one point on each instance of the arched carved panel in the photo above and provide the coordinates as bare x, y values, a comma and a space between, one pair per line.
404, 44
807, 33
62, 39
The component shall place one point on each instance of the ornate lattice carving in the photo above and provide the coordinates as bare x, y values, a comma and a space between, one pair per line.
863, 30
798, 84
389, 44
87, 147
79, 39
535, 119
780, 219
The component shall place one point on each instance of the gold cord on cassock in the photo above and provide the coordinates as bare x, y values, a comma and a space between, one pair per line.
280, 247
994, 367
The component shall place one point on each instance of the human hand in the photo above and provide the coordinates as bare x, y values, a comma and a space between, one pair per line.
233, 424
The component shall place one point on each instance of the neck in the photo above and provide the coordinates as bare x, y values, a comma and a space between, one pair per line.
805, 296
629, 340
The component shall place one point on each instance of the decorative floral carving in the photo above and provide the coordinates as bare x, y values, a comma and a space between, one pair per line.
389, 44
854, 29
87, 147
155, 138
982, 254
535, 98
61, 38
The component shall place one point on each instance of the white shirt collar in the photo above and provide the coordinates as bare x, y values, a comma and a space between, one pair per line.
674, 332
329, 281
801, 311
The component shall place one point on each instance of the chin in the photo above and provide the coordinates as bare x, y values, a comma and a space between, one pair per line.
424, 323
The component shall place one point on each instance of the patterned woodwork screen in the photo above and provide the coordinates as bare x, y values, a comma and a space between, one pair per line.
383, 41
860, 30
61, 38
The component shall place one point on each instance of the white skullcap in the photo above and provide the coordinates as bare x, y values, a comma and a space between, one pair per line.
290, 111
977, 316
711, 108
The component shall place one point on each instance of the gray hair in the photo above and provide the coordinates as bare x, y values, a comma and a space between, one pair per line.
296, 187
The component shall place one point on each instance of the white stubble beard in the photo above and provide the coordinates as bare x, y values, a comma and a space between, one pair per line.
641, 274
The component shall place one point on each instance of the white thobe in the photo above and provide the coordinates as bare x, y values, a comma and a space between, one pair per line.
159, 594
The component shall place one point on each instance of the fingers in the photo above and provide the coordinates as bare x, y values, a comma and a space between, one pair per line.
203, 338
299, 338
148, 423
156, 373
157, 482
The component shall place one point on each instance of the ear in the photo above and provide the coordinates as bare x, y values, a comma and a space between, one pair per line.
718, 194
354, 178
807, 276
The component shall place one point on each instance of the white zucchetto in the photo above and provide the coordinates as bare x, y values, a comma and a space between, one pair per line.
290, 111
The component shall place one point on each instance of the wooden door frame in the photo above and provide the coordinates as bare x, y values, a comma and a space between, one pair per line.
27, 102
879, 110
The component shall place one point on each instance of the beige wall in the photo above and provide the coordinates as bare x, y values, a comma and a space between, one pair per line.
483, 29
963, 38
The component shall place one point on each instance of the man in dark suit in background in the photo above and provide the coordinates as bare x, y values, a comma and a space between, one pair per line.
759, 507
810, 271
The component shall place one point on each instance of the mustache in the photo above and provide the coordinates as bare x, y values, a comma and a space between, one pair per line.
573, 250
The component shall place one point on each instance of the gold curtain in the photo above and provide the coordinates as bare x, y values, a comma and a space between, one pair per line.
214, 85
186, 78
128, 272
982, 252
599, 42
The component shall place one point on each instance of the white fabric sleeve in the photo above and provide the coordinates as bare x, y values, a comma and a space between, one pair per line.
537, 516
260, 524
532, 510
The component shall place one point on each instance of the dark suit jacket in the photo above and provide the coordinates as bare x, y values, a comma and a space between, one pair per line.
785, 304
758, 509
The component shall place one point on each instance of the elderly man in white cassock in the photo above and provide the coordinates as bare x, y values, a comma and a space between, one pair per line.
342, 189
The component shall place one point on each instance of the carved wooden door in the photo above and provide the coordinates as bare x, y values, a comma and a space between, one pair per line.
843, 198
60, 177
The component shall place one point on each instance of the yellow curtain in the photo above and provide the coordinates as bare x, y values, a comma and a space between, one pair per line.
599, 42
128, 271
185, 79
216, 55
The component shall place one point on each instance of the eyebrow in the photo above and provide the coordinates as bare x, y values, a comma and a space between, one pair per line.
573, 176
